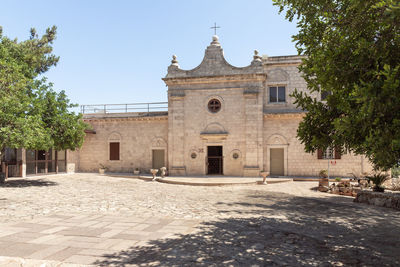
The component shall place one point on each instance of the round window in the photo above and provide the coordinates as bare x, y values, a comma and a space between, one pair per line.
235, 155
214, 105
193, 155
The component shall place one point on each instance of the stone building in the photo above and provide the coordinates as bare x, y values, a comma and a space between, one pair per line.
219, 119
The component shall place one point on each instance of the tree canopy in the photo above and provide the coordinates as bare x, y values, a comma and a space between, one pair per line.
32, 114
351, 51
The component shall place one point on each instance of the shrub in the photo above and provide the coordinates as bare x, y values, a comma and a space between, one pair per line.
338, 179
102, 166
378, 179
396, 172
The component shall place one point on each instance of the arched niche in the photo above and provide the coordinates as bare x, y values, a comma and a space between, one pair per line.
158, 142
277, 139
114, 137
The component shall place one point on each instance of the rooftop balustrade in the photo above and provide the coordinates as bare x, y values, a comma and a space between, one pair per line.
141, 108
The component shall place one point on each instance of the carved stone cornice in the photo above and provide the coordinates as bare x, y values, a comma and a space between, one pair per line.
239, 78
214, 136
284, 115
251, 92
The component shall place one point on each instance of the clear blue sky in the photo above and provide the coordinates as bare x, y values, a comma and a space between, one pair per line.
118, 51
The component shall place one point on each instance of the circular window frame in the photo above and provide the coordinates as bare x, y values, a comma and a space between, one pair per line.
214, 105
238, 154
193, 155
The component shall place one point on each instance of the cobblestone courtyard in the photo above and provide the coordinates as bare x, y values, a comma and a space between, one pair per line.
91, 219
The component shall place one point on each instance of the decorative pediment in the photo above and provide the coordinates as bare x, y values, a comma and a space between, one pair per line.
158, 142
214, 131
277, 139
214, 128
114, 136
214, 64
277, 75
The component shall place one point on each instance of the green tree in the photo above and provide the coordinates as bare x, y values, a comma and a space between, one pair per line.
32, 114
352, 52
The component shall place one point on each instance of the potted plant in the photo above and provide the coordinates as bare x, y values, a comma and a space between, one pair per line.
136, 171
378, 179
323, 178
102, 169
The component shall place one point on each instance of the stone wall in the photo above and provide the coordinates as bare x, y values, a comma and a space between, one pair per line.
388, 200
137, 137
202, 128
280, 131
283, 74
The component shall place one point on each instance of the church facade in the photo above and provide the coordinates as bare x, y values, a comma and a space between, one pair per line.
221, 120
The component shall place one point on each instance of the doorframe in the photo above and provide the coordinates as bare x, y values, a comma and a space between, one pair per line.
158, 143
285, 158
222, 159
152, 153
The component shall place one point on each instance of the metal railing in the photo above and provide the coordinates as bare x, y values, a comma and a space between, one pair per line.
124, 108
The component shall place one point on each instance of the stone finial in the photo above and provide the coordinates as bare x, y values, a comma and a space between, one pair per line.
174, 61
256, 57
215, 41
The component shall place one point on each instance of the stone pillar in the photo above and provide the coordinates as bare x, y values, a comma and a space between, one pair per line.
176, 133
253, 132
71, 161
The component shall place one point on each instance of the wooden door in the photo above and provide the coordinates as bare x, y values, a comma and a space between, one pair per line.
277, 161
158, 159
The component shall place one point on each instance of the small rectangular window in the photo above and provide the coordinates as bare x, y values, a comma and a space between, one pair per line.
281, 94
277, 94
329, 153
272, 94
114, 151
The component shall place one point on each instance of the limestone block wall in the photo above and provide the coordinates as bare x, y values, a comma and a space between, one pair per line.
280, 131
137, 137
237, 126
230, 119
284, 74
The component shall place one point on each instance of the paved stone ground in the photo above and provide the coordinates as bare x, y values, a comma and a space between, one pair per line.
91, 219
84, 239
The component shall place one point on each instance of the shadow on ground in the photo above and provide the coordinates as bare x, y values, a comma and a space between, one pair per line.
27, 183
279, 229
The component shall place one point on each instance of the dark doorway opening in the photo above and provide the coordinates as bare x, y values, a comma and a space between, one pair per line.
214, 160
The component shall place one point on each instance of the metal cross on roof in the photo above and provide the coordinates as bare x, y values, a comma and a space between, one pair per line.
215, 28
